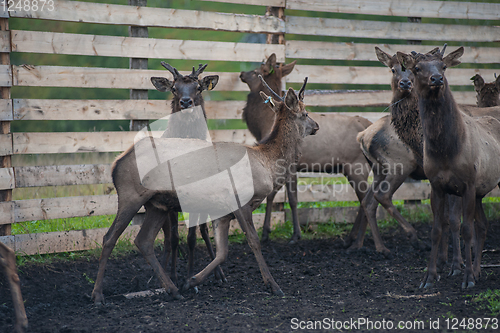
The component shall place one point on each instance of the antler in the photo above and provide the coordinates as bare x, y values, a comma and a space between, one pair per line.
272, 92
171, 69
301, 91
444, 48
200, 70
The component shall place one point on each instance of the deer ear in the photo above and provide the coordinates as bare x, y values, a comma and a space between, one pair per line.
383, 57
497, 81
268, 99
269, 65
406, 60
291, 100
162, 84
287, 69
478, 82
209, 82
452, 59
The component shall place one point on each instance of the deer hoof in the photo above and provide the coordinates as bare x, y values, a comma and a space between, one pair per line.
177, 297
469, 284
455, 272
98, 299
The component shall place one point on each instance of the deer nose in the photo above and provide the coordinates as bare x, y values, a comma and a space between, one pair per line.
405, 84
186, 102
437, 79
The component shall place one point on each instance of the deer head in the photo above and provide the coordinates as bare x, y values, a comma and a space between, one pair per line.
487, 93
429, 68
270, 71
186, 89
402, 80
291, 107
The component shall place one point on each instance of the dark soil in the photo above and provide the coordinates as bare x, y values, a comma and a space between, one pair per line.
320, 280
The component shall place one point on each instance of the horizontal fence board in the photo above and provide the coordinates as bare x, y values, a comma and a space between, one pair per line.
7, 178
67, 109
6, 110
81, 142
4, 40
410, 8
373, 75
91, 77
6, 144
273, 3
87, 12
118, 78
111, 46
390, 30
79, 240
62, 175
302, 49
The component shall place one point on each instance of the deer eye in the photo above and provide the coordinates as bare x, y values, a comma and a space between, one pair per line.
393, 70
417, 69
444, 67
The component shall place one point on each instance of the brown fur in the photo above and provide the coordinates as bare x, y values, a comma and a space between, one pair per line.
488, 94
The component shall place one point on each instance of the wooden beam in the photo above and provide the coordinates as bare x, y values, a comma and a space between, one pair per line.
423, 8
301, 49
390, 30
87, 12
114, 46
274, 3
7, 178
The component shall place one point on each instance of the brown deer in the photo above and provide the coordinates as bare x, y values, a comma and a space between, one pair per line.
8, 262
461, 157
488, 94
291, 126
333, 149
187, 93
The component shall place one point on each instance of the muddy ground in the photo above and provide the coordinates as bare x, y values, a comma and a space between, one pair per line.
320, 280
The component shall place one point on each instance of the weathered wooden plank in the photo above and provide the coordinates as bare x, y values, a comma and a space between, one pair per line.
6, 144
61, 175
4, 39
273, 3
7, 178
120, 78
372, 75
111, 46
79, 142
4, 12
5, 76
368, 98
79, 240
87, 12
301, 49
6, 110
390, 30
423, 8
67, 109
7, 215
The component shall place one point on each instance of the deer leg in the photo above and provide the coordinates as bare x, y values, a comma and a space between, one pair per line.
8, 262
468, 206
291, 188
174, 239
219, 274
455, 212
153, 222
191, 240
122, 219
266, 228
481, 228
357, 233
437, 206
167, 245
244, 216
221, 231
442, 258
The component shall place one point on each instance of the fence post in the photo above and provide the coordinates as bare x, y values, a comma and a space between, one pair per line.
138, 63
6, 161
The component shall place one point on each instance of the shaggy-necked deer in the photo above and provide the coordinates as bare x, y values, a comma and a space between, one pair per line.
487, 94
8, 262
187, 93
333, 149
282, 146
461, 156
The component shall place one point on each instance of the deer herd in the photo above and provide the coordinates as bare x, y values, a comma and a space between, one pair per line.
426, 136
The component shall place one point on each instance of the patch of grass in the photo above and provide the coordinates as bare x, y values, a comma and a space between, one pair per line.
67, 224
490, 299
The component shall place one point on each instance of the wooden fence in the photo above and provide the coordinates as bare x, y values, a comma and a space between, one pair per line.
334, 49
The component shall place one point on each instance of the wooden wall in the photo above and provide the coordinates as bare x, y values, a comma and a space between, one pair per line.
350, 60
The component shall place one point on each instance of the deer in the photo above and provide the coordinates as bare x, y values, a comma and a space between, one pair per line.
8, 262
282, 146
487, 94
333, 149
461, 157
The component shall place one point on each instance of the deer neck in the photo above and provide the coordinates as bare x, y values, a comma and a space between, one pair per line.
442, 123
405, 118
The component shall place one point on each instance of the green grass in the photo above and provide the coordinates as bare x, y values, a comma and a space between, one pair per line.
490, 300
